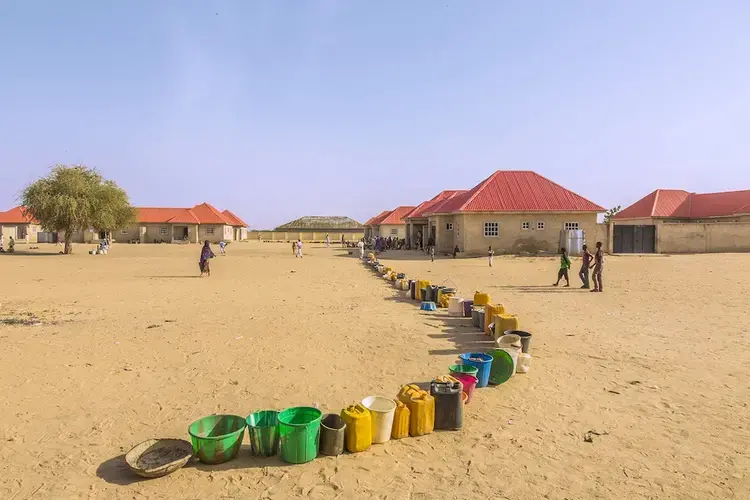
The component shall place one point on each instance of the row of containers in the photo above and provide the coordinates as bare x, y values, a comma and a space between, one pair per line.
300, 434
512, 345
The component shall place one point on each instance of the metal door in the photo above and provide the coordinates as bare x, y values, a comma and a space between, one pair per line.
634, 239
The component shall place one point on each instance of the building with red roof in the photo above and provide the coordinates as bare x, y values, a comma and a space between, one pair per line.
154, 224
676, 205
511, 211
417, 224
675, 221
389, 224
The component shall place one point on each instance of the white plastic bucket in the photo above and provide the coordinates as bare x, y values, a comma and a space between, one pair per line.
456, 306
524, 362
381, 413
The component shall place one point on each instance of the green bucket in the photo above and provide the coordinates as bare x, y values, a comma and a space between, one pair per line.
464, 369
263, 428
299, 431
218, 438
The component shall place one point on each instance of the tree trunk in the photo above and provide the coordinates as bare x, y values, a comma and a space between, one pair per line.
68, 242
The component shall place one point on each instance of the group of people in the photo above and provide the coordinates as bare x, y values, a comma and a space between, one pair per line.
11, 245
586, 265
391, 243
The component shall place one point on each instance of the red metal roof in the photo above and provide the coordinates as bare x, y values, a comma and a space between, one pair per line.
421, 210
207, 214
396, 216
517, 191
376, 220
156, 215
200, 214
676, 203
437, 206
236, 221
17, 215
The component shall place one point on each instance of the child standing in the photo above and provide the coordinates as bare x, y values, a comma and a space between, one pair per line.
299, 248
490, 254
222, 245
564, 266
598, 267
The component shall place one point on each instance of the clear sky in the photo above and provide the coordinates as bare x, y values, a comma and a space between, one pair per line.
277, 109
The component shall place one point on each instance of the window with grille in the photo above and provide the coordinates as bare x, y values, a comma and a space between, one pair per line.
526, 225
209, 230
163, 230
491, 229
124, 231
394, 232
540, 225
449, 226
571, 226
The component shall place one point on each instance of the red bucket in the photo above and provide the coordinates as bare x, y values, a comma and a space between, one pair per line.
468, 381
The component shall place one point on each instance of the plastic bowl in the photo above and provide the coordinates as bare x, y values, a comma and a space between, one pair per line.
217, 438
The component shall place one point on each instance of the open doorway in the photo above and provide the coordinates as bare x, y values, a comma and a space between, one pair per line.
180, 233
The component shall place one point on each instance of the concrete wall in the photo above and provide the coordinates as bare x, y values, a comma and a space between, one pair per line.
387, 231
703, 238
305, 236
468, 231
21, 233
127, 234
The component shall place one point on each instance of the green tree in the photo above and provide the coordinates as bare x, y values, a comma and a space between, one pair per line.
76, 198
611, 213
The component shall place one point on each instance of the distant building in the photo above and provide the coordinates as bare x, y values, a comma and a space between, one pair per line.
388, 224
202, 222
315, 227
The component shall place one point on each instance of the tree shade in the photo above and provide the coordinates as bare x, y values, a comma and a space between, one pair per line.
76, 198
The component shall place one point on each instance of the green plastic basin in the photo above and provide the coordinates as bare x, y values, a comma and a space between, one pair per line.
465, 369
217, 438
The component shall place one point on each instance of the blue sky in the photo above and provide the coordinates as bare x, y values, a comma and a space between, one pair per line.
278, 109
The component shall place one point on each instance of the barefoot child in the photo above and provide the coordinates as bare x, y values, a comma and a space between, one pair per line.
490, 254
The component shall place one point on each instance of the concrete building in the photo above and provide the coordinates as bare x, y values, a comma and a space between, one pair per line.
417, 223
154, 225
676, 221
373, 222
20, 226
389, 224
315, 228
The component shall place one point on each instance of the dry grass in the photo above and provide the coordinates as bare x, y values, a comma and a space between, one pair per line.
132, 346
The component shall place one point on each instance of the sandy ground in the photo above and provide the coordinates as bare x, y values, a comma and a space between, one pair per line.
134, 346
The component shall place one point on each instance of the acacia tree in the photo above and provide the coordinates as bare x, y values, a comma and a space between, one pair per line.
76, 198
611, 213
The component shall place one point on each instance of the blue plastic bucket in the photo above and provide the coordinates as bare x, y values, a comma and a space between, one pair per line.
483, 364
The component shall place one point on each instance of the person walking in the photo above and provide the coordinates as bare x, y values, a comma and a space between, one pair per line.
598, 268
328, 241
490, 254
222, 247
584, 272
299, 248
361, 246
206, 255
564, 266
432, 253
